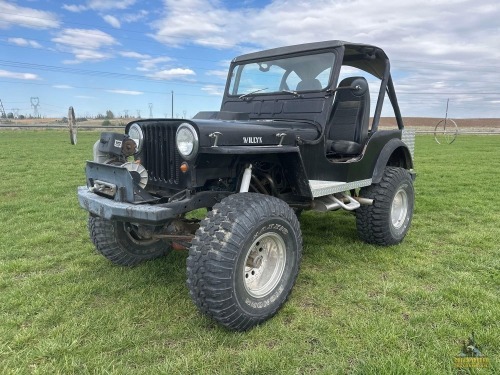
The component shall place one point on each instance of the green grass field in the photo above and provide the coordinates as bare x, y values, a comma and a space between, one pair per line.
356, 308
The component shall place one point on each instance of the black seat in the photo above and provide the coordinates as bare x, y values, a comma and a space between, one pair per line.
309, 84
347, 129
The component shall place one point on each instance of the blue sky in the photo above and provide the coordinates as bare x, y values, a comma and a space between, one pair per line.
99, 55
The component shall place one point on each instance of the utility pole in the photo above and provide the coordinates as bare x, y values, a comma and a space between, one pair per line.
126, 113
138, 113
172, 104
150, 110
35, 102
16, 112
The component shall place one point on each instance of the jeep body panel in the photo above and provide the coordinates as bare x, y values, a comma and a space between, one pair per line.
283, 128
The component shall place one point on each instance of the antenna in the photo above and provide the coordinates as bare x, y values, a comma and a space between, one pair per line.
150, 110
35, 102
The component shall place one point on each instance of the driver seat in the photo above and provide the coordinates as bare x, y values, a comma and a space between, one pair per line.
347, 129
309, 84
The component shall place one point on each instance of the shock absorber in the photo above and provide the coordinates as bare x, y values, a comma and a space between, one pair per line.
245, 181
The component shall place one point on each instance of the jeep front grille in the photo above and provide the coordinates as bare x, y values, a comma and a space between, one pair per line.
161, 158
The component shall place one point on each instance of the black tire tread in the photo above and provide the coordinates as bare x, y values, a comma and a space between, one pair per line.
215, 247
371, 221
103, 235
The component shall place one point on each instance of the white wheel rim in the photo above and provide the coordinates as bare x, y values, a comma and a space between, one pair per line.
399, 208
264, 265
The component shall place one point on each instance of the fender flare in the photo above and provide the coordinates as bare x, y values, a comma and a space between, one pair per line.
389, 149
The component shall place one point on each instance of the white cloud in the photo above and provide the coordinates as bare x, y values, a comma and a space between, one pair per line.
134, 55
109, 4
15, 15
64, 87
102, 5
85, 44
125, 92
134, 17
199, 21
74, 8
113, 21
444, 43
213, 90
89, 55
24, 42
17, 75
159, 67
174, 73
217, 73
149, 64
87, 38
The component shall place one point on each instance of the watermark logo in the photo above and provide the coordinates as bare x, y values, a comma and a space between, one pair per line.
471, 356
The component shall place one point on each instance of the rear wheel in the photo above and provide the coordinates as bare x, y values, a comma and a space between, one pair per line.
387, 221
244, 259
122, 243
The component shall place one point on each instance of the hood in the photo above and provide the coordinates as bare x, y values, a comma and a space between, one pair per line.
254, 133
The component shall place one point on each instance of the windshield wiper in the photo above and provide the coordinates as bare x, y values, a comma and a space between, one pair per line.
294, 93
251, 93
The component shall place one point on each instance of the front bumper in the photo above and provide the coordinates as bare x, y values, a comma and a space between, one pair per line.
123, 200
123, 211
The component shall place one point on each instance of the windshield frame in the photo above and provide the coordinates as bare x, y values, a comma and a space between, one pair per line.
237, 68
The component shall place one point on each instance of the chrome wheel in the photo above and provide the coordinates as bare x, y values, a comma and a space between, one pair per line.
264, 264
399, 208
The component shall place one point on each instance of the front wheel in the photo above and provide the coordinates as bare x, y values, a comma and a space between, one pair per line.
387, 221
122, 243
244, 259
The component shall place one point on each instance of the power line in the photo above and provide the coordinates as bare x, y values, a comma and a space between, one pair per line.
463, 67
97, 73
136, 77
79, 45
494, 69
105, 88
114, 29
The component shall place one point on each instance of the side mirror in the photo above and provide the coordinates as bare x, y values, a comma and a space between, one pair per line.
359, 86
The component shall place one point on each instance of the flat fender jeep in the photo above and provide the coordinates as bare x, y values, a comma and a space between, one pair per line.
294, 132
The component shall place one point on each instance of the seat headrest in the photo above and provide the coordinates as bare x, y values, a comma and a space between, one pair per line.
309, 84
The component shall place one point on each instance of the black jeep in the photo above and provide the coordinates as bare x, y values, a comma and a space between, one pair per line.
287, 138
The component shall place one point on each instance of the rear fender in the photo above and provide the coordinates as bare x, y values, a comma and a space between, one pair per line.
395, 153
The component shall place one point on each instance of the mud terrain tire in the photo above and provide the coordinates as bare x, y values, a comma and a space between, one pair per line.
387, 221
244, 260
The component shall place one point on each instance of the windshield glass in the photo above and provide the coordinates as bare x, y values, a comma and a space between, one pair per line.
299, 73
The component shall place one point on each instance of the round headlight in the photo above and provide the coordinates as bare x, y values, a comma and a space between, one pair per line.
187, 141
136, 134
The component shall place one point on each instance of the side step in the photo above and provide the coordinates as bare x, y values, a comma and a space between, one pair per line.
321, 188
